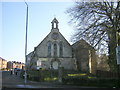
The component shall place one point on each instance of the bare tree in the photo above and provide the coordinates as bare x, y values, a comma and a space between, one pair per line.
97, 23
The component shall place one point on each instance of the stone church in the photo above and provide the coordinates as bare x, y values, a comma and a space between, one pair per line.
54, 51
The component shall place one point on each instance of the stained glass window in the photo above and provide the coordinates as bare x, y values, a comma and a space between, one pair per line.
55, 49
49, 49
61, 49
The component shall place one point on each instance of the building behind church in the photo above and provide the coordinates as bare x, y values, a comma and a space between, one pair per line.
55, 51
85, 56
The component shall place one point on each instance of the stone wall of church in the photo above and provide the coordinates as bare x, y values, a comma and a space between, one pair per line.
68, 63
42, 49
48, 63
82, 59
94, 62
67, 50
86, 57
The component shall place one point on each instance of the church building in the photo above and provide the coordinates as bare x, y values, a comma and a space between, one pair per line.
55, 51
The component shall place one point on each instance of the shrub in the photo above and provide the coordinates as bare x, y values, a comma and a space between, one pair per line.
84, 81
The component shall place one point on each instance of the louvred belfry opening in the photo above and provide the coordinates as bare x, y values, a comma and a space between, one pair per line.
55, 23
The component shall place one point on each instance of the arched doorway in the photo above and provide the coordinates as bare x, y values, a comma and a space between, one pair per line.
55, 64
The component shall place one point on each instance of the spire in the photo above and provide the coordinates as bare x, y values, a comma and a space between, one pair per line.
54, 23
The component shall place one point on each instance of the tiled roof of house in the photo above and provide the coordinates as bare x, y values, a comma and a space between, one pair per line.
2, 59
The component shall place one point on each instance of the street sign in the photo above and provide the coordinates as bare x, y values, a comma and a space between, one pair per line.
118, 54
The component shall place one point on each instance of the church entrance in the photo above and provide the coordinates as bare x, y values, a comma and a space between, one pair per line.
55, 64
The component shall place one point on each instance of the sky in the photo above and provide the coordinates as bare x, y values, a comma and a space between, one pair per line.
40, 15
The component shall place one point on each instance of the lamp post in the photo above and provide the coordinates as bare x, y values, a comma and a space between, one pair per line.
26, 45
118, 54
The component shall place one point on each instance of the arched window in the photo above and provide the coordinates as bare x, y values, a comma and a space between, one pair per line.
61, 49
55, 50
49, 49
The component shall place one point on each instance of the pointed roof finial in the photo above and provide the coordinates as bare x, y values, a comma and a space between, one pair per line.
55, 20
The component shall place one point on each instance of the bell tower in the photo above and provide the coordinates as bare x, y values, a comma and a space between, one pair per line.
54, 25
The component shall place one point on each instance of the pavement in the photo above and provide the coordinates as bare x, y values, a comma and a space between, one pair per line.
9, 82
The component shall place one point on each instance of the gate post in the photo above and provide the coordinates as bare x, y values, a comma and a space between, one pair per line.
60, 75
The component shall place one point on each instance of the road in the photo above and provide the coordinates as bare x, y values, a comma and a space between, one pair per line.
14, 81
